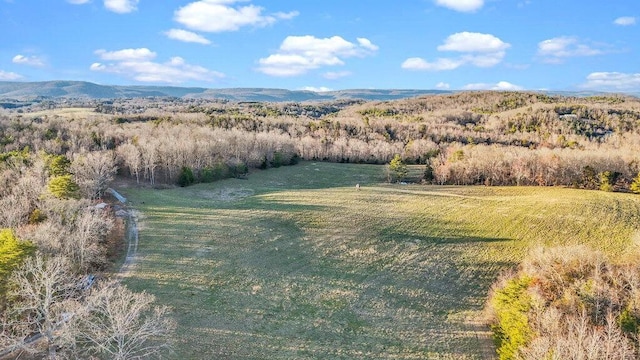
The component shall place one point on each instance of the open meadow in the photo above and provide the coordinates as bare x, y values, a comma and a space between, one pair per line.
295, 263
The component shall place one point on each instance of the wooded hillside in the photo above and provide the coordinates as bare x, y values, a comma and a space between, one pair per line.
492, 138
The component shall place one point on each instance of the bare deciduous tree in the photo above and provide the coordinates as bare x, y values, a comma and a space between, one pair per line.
90, 227
41, 294
121, 324
94, 171
132, 158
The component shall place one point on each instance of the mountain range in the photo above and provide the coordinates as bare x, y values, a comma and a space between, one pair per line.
25, 91
82, 89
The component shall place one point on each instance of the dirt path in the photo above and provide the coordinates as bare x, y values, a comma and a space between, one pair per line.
132, 245
131, 238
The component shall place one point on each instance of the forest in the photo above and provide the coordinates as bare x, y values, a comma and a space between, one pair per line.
489, 138
58, 157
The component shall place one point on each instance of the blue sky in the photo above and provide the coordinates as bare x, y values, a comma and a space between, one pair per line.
326, 44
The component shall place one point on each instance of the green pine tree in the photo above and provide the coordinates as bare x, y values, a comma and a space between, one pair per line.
397, 169
63, 187
635, 185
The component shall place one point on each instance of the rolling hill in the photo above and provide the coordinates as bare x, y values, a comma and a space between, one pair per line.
82, 89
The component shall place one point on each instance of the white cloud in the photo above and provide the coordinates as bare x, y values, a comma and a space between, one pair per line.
9, 76
473, 42
480, 50
438, 65
316, 89
613, 81
501, 86
366, 43
28, 60
77, 2
121, 6
137, 64
299, 54
555, 50
139, 54
443, 86
286, 16
334, 75
625, 21
186, 36
485, 60
461, 5
221, 15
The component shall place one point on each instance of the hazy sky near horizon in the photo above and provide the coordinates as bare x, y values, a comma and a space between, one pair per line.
326, 44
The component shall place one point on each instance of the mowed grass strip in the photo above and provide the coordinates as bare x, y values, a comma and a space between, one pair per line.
294, 263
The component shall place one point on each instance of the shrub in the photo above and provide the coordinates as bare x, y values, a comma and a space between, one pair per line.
294, 159
278, 159
457, 155
240, 170
589, 177
186, 177
629, 322
428, 175
216, 172
37, 217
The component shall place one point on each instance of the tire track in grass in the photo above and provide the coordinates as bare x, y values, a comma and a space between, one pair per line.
131, 237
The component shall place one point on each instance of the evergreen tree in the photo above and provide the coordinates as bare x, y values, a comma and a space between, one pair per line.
397, 169
635, 185
63, 187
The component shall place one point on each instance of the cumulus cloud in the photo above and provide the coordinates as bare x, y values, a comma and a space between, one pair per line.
28, 60
443, 86
9, 76
557, 49
316, 89
481, 50
138, 64
187, 36
121, 6
299, 54
441, 64
126, 54
473, 42
613, 81
366, 43
502, 86
334, 75
625, 21
222, 15
461, 5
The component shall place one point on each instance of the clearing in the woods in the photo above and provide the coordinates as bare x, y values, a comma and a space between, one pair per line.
295, 263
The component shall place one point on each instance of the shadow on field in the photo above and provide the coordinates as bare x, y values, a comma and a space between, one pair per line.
341, 274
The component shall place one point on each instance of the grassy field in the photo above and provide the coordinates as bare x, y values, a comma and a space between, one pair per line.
294, 263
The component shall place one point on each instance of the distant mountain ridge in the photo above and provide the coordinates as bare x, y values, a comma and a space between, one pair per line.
82, 89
